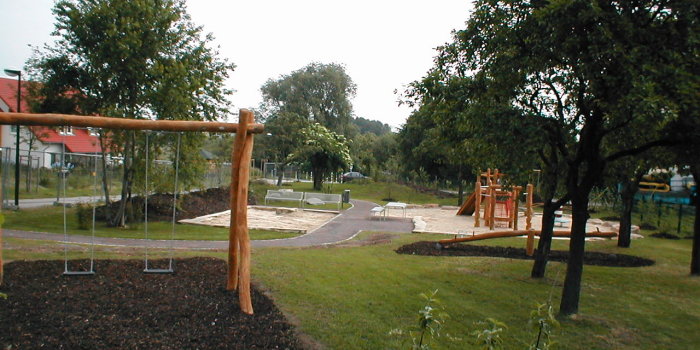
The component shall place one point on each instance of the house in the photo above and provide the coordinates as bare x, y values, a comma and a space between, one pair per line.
40, 146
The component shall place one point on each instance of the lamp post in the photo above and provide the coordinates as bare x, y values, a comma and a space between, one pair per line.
18, 74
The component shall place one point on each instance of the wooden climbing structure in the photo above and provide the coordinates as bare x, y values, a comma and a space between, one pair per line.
493, 203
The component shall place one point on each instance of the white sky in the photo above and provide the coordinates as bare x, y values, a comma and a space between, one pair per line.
384, 44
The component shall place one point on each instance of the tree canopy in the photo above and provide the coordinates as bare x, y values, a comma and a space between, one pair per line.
135, 59
323, 150
574, 76
321, 93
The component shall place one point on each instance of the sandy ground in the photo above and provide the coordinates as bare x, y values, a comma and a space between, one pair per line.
270, 218
445, 220
426, 219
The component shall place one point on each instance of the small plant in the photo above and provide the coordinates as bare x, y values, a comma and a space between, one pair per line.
489, 337
542, 320
431, 319
84, 215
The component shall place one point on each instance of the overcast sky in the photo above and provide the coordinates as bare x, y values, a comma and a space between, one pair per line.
384, 44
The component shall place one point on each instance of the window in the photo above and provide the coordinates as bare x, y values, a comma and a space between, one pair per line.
13, 129
93, 132
65, 130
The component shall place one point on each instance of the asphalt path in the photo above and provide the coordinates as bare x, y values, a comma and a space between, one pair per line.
341, 228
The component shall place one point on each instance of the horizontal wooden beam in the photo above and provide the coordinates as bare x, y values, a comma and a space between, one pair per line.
121, 123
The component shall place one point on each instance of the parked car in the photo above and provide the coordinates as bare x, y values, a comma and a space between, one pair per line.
349, 176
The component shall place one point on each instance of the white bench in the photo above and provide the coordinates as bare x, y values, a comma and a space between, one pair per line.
322, 198
284, 195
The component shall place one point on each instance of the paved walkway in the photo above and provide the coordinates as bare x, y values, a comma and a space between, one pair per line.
340, 228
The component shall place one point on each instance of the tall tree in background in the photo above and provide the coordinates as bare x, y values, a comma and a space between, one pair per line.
323, 150
133, 59
321, 93
285, 138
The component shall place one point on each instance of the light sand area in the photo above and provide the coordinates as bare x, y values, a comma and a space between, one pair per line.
444, 220
426, 219
270, 218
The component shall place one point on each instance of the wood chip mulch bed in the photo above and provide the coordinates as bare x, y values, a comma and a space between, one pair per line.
120, 307
590, 258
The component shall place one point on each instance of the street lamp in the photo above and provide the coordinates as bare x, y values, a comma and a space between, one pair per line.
18, 74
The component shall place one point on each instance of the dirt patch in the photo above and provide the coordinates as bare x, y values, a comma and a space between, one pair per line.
590, 258
379, 238
160, 206
122, 308
664, 235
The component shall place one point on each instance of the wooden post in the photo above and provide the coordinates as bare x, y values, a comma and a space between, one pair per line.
239, 241
477, 200
492, 207
528, 207
244, 296
516, 195
530, 248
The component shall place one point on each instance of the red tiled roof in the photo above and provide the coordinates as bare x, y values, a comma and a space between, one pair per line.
79, 142
8, 93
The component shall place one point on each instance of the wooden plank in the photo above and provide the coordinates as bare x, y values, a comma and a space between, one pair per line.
122, 123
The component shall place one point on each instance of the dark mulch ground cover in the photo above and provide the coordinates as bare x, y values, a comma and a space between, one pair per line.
590, 258
160, 205
122, 308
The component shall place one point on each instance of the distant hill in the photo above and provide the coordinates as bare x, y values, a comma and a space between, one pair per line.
371, 126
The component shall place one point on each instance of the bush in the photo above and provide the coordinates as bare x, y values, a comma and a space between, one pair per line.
84, 215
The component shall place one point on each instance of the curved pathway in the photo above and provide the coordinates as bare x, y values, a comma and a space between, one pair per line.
341, 228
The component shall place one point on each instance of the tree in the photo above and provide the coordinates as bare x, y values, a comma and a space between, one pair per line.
581, 69
319, 92
371, 126
285, 137
142, 60
324, 151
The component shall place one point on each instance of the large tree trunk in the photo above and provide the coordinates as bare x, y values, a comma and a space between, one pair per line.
318, 178
695, 258
629, 188
119, 219
280, 175
105, 176
545, 243
574, 270
460, 187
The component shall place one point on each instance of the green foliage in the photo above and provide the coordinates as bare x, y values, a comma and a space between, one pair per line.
135, 59
489, 337
367, 126
543, 321
320, 93
323, 150
83, 214
431, 320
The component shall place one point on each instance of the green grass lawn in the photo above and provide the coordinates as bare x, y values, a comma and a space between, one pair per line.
50, 219
350, 298
377, 192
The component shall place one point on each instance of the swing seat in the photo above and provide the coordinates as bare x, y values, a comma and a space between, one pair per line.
158, 271
78, 273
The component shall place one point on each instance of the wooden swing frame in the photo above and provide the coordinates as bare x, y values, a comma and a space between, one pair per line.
238, 276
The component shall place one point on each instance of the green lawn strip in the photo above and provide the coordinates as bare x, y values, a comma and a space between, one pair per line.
30, 249
50, 219
350, 298
377, 192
